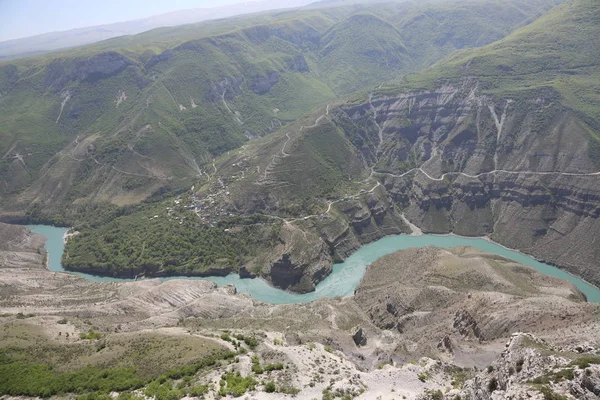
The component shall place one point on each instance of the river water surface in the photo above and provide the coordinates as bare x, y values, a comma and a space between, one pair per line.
345, 276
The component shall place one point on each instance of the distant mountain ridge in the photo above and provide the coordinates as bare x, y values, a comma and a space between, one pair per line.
43, 43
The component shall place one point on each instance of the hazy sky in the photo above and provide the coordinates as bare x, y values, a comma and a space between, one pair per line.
21, 18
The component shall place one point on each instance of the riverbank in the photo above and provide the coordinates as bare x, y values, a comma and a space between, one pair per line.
69, 234
345, 276
416, 231
541, 261
353, 347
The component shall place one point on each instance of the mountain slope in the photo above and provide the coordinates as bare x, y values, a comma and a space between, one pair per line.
456, 148
39, 44
432, 29
125, 118
362, 50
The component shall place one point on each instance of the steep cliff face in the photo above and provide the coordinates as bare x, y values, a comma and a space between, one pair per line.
299, 262
261, 84
226, 88
518, 170
497, 148
458, 129
160, 107
60, 72
361, 221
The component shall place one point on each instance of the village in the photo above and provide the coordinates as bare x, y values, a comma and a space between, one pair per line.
210, 199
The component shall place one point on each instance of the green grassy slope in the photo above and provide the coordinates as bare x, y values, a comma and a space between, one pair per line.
548, 59
554, 57
34, 364
120, 119
362, 50
433, 30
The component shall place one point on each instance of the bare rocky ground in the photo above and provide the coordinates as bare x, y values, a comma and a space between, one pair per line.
19, 247
424, 323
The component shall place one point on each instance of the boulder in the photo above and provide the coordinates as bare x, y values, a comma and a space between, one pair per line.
359, 336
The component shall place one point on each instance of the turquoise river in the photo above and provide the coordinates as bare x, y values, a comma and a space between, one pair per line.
345, 276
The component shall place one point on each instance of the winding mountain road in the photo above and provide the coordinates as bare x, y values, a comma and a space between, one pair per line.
419, 169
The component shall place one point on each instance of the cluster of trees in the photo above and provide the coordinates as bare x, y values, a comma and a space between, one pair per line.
22, 378
170, 244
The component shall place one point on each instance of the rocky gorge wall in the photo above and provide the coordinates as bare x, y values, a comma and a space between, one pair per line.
517, 170
449, 160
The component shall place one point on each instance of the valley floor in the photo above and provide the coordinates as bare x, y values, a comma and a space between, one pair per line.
422, 321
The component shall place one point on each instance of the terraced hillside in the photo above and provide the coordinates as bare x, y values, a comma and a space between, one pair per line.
126, 118
484, 143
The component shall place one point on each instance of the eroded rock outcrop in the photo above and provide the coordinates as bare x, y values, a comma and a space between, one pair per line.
531, 368
299, 266
518, 170
444, 299
102, 65
298, 64
19, 247
227, 88
261, 84
466, 325
359, 336
164, 56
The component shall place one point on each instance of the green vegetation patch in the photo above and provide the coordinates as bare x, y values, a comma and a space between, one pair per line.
90, 335
258, 369
236, 385
31, 364
585, 361
563, 374
174, 243
19, 378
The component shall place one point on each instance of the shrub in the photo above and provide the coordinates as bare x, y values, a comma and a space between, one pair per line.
270, 387
258, 369
289, 390
91, 335
163, 391
492, 385
273, 367
225, 336
198, 391
251, 342
236, 385
434, 394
